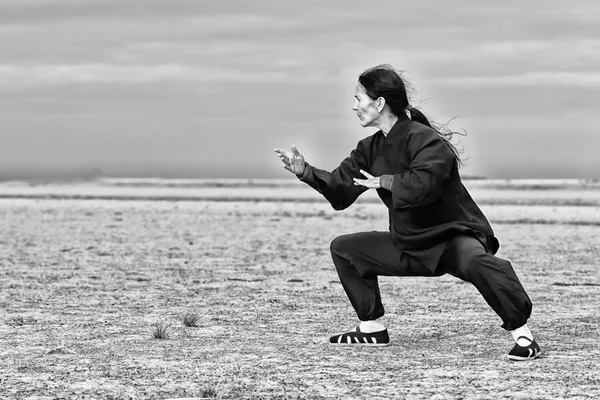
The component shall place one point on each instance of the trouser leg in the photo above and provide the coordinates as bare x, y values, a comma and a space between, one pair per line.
495, 278
359, 258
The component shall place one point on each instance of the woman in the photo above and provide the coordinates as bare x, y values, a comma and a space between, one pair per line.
435, 227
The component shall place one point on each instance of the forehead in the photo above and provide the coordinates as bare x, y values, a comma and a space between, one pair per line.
360, 90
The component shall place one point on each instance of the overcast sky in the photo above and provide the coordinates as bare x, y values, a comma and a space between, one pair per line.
207, 88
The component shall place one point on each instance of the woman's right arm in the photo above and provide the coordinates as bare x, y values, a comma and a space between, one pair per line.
338, 185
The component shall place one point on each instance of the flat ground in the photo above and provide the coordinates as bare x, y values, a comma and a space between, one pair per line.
84, 283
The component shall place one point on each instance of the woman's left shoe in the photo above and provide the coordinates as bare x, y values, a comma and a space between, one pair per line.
361, 338
523, 353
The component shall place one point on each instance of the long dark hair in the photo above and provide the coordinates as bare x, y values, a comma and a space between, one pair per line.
384, 81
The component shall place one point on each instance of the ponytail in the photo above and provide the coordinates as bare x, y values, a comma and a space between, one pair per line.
418, 116
442, 130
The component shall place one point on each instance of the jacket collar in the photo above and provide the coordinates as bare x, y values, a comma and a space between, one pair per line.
398, 131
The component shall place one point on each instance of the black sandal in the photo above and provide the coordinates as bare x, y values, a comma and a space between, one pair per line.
361, 338
523, 353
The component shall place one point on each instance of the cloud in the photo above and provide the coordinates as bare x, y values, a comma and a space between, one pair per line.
83, 68
551, 79
14, 75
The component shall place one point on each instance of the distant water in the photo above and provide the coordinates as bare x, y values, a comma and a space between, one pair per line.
577, 192
533, 184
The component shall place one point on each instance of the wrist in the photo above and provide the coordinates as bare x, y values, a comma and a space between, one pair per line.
301, 173
386, 181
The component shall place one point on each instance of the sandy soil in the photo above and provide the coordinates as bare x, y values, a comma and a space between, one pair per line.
83, 284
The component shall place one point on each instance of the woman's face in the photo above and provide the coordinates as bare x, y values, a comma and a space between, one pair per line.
365, 107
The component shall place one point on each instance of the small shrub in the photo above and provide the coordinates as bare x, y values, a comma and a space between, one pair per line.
209, 391
160, 331
190, 319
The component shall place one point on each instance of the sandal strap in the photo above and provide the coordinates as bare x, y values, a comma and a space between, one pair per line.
349, 338
526, 338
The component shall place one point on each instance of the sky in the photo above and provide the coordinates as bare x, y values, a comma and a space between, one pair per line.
207, 88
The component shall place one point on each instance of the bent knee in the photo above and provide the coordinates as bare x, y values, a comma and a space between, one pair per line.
481, 265
474, 265
341, 244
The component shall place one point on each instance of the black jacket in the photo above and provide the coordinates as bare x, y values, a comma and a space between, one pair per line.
428, 204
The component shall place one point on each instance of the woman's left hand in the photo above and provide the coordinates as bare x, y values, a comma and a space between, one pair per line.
372, 182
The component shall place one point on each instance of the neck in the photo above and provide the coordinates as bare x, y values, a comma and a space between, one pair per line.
387, 122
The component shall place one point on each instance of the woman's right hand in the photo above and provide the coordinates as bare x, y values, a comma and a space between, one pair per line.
293, 162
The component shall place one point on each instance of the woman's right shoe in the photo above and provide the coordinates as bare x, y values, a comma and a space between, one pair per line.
361, 338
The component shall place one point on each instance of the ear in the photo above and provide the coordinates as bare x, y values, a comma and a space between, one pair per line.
380, 103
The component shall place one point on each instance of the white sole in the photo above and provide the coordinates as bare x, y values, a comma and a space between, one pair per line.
517, 358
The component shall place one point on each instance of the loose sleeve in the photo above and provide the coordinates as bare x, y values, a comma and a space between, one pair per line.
338, 185
430, 166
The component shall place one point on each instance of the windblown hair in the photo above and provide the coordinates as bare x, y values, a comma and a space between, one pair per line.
384, 81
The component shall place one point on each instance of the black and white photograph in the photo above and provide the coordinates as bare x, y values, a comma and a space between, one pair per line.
275, 199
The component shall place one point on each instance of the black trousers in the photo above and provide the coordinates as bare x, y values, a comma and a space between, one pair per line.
360, 257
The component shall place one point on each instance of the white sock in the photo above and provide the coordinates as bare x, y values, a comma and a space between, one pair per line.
371, 326
522, 331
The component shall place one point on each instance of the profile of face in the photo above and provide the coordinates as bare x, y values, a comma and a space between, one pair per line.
367, 109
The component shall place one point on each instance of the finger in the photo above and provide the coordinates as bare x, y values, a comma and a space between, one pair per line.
295, 150
365, 173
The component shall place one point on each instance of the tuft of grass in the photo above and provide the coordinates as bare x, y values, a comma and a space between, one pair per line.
209, 391
190, 319
160, 331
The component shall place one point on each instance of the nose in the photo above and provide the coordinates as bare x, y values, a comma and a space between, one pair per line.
355, 105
